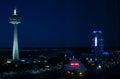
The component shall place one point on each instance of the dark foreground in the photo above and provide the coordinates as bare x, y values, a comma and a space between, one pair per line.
50, 64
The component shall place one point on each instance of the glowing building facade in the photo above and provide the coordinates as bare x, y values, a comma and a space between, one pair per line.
97, 42
75, 65
15, 20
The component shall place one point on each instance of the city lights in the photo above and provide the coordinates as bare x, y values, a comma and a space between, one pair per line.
60, 39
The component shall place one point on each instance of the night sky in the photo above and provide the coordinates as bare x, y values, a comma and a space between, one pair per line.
60, 23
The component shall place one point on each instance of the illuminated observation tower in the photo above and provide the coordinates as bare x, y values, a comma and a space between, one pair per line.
97, 42
15, 20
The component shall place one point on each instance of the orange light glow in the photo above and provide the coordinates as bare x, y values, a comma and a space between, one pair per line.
80, 74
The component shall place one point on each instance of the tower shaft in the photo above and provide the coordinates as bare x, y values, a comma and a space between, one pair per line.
15, 53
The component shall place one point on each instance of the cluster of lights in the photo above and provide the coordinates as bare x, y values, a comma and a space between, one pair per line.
80, 73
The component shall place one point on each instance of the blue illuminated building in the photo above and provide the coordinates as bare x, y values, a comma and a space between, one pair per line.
97, 42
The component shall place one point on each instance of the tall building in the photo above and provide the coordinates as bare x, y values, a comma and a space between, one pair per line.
97, 42
15, 20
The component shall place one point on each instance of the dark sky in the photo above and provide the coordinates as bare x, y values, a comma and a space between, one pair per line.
60, 23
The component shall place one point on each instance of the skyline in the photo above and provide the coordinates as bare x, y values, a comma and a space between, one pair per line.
60, 23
